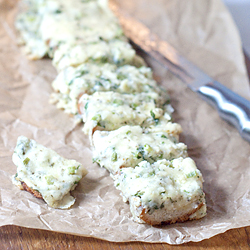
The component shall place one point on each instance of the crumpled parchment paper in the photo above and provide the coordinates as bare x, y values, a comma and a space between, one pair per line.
204, 32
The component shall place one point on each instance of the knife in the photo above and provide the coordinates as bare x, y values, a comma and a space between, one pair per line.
231, 107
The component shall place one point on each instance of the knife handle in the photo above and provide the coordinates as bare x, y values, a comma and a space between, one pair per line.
231, 107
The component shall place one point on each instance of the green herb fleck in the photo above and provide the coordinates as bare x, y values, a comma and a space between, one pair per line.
153, 116
114, 86
104, 59
96, 118
58, 11
26, 161
134, 105
114, 156
31, 18
191, 174
172, 201
77, 181
121, 76
49, 179
148, 148
81, 73
71, 81
171, 165
139, 194
72, 170
86, 105
118, 102
95, 160
155, 207
151, 173
139, 153
98, 83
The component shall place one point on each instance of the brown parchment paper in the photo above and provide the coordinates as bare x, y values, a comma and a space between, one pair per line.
205, 33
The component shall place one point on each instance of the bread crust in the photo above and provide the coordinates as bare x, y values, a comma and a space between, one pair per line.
30, 190
79, 105
149, 219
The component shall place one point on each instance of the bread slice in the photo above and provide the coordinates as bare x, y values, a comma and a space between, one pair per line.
45, 174
111, 110
46, 25
116, 52
23, 186
129, 145
89, 77
163, 192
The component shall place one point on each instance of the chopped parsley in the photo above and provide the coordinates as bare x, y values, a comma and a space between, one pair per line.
58, 11
139, 194
86, 106
118, 102
114, 156
191, 174
49, 179
153, 116
26, 161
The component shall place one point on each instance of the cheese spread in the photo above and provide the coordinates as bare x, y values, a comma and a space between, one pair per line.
114, 51
129, 145
174, 187
111, 110
48, 173
89, 78
50, 23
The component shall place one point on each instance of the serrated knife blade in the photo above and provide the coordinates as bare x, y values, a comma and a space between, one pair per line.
231, 107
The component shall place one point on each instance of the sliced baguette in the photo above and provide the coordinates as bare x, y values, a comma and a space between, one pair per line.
45, 174
129, 145
163, 192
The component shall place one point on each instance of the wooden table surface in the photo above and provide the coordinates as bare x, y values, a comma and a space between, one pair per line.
13, 237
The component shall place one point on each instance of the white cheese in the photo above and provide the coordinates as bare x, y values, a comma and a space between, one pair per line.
89, 78
163, 125
110, 110
129, 145
27, 24
115, 51
48, 24
103, 81
45, 171
170, 188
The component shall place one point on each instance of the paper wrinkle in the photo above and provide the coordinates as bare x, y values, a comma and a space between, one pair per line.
211, 41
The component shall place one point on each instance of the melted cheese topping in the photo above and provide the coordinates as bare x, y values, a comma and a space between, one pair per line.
115, 51
89, 78
44, 170
110, 110
164, 185
129, 145
48, 24
96, 62
28, 23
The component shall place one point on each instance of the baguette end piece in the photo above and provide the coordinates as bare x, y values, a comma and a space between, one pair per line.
164, 192
45, 174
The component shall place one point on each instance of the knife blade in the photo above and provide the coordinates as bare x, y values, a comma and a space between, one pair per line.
231, 107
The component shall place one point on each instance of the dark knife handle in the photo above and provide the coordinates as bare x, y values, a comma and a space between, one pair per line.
231, 107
